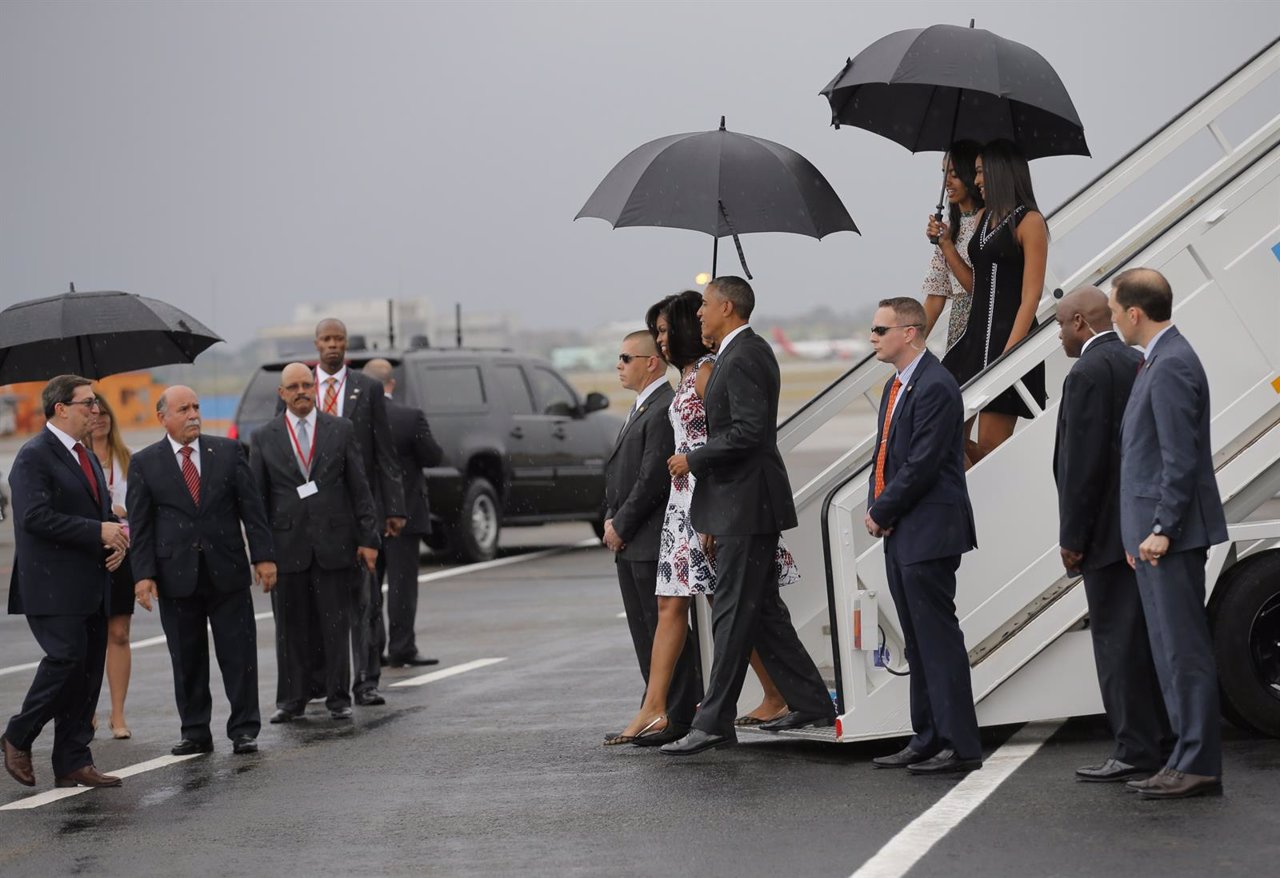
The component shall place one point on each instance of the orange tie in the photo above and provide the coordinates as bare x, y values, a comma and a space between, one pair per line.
331, 396
884, 436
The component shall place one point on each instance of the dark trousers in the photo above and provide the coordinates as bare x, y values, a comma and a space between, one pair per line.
942, 712
235, 641
748, 613
1178, 627
1126, 672
366, 610
638, 581
65, 688
296, 599
401, 566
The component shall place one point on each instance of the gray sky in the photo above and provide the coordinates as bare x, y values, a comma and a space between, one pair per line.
235, 158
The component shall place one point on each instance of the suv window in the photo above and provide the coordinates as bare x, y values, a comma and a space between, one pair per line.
451, 388
516, 389
555, 397
259, 400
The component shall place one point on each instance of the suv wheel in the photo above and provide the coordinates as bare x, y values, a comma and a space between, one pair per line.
475, 535
1245, 624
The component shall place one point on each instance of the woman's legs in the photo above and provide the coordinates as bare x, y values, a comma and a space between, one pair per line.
119, 664
668, 643
993, 429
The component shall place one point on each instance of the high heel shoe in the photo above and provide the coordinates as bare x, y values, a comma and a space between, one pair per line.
120, 733
615, 740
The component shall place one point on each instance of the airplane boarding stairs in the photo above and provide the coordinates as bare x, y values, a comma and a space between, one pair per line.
1024, 621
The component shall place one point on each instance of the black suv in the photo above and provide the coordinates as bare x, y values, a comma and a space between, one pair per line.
520, 447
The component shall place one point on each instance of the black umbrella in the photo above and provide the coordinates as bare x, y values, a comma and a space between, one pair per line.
929, 87
95, 335
721, 183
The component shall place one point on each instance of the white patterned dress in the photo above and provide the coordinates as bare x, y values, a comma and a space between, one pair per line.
941, 282
683, 568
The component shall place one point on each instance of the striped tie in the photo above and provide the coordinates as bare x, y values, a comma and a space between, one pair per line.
331, 396
189, 474
884, 436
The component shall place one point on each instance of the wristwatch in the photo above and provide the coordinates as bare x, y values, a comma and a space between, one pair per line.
1157, 529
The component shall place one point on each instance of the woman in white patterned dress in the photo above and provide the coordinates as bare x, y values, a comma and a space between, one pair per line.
950, 272
684, 568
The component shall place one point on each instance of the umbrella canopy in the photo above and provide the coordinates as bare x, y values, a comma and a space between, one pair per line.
720, 183
929, 87
95, 334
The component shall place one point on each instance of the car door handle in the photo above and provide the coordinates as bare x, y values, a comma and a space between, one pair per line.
559, 433
517, 433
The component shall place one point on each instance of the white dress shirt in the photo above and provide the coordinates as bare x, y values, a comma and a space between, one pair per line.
177, 451
322, 388
724, 342
1097, 335
67, 440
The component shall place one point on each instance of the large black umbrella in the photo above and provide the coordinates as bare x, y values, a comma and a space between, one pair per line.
928, 87
721, 183
95, 335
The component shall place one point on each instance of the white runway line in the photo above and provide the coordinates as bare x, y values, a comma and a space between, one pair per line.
444, 673
58, 794
503, 562
916, 839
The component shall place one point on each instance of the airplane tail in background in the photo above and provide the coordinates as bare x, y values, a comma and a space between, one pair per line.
783, 342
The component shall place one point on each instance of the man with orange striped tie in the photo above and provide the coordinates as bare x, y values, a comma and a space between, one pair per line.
919, 502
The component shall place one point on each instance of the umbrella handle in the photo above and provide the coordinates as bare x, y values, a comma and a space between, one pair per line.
742, 260
942, 197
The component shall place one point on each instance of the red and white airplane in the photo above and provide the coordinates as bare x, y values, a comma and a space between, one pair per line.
819, 349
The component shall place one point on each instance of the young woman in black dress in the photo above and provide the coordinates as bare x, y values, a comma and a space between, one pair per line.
1008, 253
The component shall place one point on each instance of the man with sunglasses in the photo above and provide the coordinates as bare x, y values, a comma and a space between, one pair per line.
67, 542
919, 503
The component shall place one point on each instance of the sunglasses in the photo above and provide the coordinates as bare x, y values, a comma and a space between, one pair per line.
627, 358
884, 330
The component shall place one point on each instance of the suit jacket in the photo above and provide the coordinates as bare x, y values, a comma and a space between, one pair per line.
636, 481
415, 448
1166, 459
926, 498
742, 486
59, 564
169, 533
327, 527
365, 406
1086, 454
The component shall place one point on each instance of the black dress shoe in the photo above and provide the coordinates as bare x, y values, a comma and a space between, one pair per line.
413, 661
797, 720
1112, 771
369, 698
188, 747
340, 713
673, 732
244, 744
945, 762
284, 716
904, 757
695, 742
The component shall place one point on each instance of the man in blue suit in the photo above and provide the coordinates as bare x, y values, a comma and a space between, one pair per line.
1170, 514
66, 544
919, 502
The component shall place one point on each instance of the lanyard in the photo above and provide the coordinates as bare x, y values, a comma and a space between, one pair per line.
337, 393
298, 448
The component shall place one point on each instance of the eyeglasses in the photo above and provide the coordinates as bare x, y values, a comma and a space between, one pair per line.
627, 358
91, 403
884, 330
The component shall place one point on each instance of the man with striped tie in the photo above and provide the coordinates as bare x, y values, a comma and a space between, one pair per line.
188, 496
919, 503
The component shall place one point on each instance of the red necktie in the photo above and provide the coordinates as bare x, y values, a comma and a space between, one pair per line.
331, 396
190, 474
884, 436
88, 469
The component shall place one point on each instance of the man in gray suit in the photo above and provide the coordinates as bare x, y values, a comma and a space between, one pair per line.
637, 486
1170, 514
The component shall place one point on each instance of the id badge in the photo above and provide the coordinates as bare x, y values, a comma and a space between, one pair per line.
308, 490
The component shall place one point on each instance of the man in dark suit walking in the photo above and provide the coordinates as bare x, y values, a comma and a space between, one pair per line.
307, 466
918, 501
1086, 467
66, 543
346, 393
416, 448
188, 496
636, 488
743, 502
1170, 514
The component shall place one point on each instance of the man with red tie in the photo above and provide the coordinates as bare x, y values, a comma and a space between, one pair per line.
188, 496
919, 503
66, 543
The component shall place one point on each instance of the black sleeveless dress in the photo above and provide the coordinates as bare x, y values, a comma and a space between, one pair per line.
997, 293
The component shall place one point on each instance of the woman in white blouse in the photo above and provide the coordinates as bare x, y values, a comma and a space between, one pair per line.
950, 273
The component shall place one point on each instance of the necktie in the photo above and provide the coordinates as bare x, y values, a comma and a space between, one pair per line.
884, 436
631, 414
304, 447
331, 396
88, 469
190, 474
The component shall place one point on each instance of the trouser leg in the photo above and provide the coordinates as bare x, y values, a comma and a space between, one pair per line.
332, 592
235, 640
292, 604
402, 595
